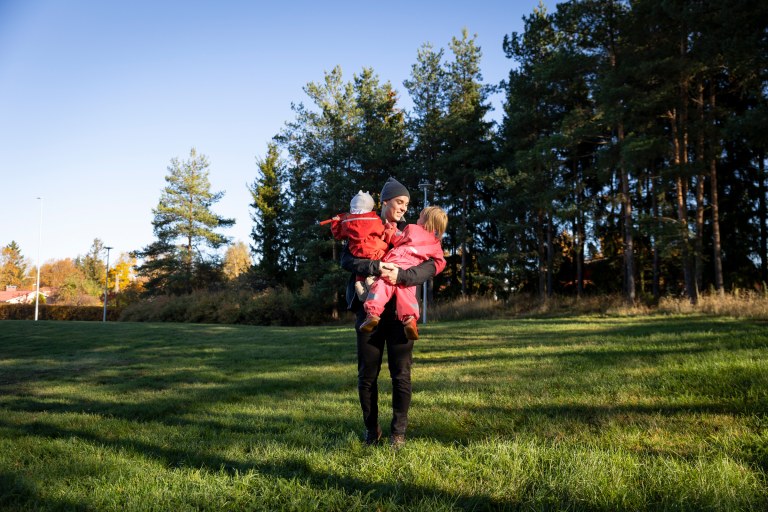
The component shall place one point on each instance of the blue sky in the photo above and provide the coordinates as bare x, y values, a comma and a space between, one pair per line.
96, 97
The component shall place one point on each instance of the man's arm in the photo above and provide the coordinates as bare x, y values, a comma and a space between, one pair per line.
360, 266
417, 274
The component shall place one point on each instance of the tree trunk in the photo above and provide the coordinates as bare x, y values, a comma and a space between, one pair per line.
681, 184
626, 206
464, 243
655, 240
463, 268
718, 255
542, 253
189, 264
682, 175
577, 254
580, 214
550, 255
580, 254
701, 164
762, 214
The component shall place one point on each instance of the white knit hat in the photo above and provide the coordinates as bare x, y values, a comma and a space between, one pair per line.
361, 203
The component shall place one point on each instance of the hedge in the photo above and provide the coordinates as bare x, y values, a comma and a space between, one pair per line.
51, 312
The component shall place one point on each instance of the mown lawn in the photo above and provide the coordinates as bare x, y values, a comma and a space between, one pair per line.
586, 413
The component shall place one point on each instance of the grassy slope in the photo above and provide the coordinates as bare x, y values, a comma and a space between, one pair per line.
587, 413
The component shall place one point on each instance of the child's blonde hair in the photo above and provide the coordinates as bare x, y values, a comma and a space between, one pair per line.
435, 220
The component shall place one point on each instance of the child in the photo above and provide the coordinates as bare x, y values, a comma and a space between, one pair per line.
367, 237
416, 243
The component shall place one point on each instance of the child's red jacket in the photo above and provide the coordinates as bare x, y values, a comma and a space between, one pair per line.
366, 235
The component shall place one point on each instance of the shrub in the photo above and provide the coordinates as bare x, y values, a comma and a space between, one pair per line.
466, 308
278, 306
273, 306
52, 312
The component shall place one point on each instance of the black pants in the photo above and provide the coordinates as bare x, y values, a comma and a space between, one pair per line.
370, 351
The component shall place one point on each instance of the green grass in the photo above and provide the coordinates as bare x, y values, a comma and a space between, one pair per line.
585, 413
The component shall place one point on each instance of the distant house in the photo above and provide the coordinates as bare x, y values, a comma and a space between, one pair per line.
12, 295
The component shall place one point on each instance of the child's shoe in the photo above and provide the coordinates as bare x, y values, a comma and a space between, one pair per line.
370, 323
411, 329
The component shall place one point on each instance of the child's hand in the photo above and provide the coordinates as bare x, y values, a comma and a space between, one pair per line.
389, 231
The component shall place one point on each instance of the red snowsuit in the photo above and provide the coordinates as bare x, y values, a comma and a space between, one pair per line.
410, 247
366, 235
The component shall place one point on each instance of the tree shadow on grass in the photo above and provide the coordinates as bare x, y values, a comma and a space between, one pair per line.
168, 410
292, 468
539, 332
603, 356
298, 470
18, 493
181, 400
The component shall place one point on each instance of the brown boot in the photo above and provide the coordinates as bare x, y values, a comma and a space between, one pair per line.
397, 441
371, 321
411, 329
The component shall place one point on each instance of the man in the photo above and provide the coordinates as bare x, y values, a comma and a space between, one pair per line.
390, 332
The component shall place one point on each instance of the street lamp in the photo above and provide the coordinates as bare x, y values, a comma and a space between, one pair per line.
106, 283
424, 185
39, 243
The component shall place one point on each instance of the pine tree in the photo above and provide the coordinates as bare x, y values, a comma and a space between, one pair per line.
379, 144
467, 160
530, 167
185, 226
351, 137
428, 90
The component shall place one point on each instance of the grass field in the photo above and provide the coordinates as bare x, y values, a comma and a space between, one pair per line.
585, 413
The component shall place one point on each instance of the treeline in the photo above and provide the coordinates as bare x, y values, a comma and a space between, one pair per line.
630, 157
634, 136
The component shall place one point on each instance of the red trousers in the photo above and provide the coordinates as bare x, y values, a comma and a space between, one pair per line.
381, 292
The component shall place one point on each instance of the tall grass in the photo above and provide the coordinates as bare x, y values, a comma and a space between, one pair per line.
546, 413
737, 304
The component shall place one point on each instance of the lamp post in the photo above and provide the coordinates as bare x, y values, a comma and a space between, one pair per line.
424, 184
39, 244
106, 284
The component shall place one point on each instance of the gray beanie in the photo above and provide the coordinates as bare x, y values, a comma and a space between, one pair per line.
393, 188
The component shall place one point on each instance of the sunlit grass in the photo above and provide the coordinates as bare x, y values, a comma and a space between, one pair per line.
585, 413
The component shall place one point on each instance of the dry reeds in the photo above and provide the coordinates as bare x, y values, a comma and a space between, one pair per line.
738, 304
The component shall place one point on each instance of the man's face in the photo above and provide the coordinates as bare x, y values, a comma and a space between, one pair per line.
394, 209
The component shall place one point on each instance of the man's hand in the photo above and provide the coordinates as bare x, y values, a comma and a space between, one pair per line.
389, 272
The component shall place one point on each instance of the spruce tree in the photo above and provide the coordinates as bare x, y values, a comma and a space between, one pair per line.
268, 214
